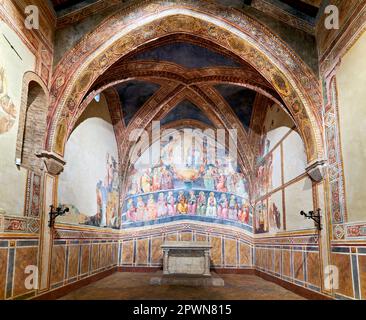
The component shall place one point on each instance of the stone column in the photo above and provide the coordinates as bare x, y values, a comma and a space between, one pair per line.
165, 261
207, 263
53, 165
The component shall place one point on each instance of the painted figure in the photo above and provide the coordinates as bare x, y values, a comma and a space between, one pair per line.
240, 186
221, 184
233, 208
201, 204
192, 203
162, 205
182, 206
140, 211
223, 209
146, 182
211, 205
166, 179
131, 210
151, 208
156, 180
171, 203
209, 180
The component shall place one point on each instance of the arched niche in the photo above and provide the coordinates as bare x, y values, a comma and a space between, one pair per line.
32, 122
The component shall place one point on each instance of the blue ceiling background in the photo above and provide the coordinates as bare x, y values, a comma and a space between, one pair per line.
133, 94
187, 55
186, 110
240, 100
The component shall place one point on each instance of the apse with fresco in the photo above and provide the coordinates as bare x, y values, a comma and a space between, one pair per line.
196, 181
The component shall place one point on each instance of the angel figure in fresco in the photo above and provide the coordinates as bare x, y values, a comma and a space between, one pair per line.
233, 208
211, 209
182, 206
140, 210
151, 208
201, 204
171, 203
223, 209
146, 182
192, 203
131, 210
162, 205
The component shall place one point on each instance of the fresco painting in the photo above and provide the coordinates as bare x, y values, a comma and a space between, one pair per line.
190, 179
107, 198
7, 108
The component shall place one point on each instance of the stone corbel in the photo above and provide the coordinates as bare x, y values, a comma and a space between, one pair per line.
316, 170
54, 163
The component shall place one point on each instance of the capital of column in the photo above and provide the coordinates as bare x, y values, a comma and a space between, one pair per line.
316, 170
54, 163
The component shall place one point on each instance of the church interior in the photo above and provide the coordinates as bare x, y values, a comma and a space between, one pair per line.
150, 146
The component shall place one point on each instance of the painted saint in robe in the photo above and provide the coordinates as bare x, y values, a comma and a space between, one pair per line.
131, 210
209, 180
201, 204
233, 208
171, 203
151, 208
211, 205
223, 209
140, 210
162, 205
192, 203
146, 182
182, 206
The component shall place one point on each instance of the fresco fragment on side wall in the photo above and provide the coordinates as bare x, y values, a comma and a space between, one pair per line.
196, 181
89, 185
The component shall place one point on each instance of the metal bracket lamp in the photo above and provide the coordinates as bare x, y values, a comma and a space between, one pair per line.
54, 213
314, 216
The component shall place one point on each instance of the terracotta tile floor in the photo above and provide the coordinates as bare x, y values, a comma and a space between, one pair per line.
135, 286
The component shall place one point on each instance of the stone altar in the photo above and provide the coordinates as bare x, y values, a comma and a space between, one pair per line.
186, 257
186, 263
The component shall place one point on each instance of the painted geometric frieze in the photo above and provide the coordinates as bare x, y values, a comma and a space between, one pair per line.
15, 224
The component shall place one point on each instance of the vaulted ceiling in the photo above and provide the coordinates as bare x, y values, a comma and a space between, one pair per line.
302, 9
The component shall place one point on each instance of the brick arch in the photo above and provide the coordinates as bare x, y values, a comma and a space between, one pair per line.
134, 26
32, 121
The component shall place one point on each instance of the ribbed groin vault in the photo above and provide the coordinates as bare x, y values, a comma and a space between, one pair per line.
182, 120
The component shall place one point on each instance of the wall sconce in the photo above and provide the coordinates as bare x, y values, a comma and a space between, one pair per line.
60, 211
315, 217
